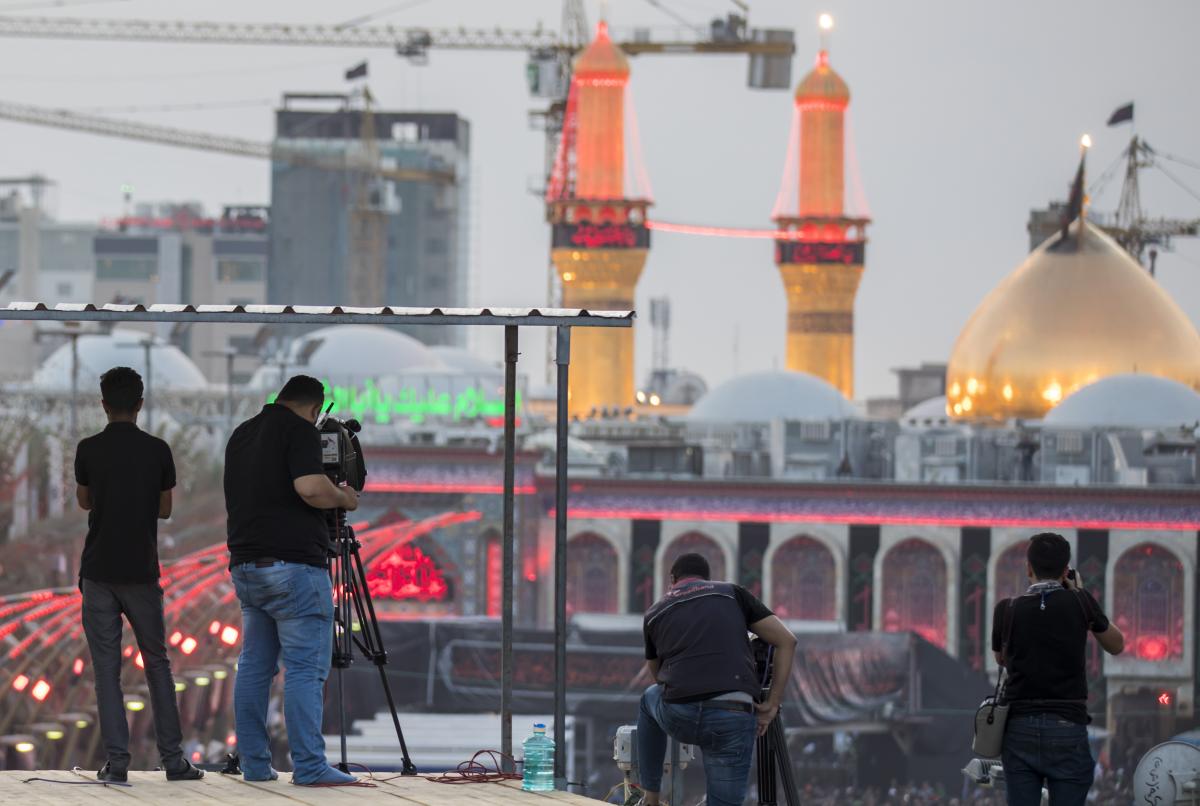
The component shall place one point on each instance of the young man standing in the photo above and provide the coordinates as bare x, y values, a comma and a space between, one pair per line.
124, 479
1041, 638
275, 491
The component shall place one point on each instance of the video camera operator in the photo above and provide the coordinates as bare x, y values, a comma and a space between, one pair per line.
1040, 638
698, 651
278, 537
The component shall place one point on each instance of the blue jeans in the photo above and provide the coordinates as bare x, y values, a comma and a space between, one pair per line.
1046, 749
287, 611
725, 737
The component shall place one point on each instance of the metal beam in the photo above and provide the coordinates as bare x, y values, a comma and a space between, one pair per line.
524, 317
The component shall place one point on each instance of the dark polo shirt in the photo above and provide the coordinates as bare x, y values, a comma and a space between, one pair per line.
1047, 651
125, 470
698, 631
267, 517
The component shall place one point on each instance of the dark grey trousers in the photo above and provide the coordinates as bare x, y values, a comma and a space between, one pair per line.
103, 605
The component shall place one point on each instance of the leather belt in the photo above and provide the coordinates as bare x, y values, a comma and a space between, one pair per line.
265, 562
728, 705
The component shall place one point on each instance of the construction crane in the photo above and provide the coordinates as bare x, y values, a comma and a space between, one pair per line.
410, 42
1130, 227
205, 141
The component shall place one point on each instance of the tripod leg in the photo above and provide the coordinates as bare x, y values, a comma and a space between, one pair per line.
784, 760
765, 759
373, 639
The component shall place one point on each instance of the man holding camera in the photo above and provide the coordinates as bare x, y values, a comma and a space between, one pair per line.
124, 479
275, 493
1041, 638
707, 688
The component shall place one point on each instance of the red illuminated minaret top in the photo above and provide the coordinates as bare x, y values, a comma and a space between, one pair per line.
821, 101
601, 74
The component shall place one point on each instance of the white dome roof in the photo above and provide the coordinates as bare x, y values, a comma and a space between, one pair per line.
460, 359
1131, 401
932, 409
767, 396
172, 370
350, 354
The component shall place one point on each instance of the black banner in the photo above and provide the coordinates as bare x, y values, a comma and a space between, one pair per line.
848, 253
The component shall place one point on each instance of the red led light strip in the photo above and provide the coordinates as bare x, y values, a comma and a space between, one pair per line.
883, 520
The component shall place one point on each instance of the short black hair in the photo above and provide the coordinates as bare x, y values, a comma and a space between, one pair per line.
690, 565
303, 389
1049, 554
121, 388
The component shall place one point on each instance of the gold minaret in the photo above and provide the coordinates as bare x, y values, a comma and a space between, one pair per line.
819, 249
599, 237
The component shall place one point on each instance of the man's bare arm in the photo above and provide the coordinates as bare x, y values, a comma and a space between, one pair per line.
773, 631
83, 496
1111, 640
165, 502
653, 666
321, 493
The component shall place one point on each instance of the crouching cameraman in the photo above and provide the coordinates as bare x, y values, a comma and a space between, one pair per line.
698, 650
275, 491
1041, 638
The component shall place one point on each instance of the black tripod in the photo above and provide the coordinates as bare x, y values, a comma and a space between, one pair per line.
352, 605
772, 752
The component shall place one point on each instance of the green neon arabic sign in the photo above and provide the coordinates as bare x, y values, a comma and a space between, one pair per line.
410, 404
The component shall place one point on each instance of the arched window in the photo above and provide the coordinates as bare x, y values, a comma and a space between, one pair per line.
592, 569
1012, 577
1148, 602
804, 581
914, 591
693, 543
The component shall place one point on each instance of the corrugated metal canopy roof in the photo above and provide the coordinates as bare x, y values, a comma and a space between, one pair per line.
317, 314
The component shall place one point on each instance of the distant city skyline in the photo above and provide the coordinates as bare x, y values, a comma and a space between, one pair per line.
962, 116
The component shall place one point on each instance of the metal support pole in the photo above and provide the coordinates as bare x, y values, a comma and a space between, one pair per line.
148, 345
563, 360
506, 584
229, 356
74, 387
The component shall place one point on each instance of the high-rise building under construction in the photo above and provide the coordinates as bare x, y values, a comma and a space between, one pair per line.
391, 228
820, 248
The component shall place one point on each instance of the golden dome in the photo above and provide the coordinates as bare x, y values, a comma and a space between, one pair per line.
602, 58
1066, 317
823, 84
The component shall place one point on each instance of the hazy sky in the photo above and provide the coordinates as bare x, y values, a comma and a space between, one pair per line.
964, 114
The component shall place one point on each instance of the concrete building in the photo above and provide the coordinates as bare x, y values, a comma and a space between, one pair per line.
341, 234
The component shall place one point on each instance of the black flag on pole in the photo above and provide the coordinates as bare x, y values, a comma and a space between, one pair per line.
1075, 202
1122, 114
358, 71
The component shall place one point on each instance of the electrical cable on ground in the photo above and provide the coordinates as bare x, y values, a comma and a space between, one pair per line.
476, 772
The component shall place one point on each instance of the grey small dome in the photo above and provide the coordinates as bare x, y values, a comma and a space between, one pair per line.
1129, 401
768, 396
171, 369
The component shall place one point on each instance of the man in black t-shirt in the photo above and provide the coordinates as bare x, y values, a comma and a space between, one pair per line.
698, 651
1041, 639
124, 479
275, 491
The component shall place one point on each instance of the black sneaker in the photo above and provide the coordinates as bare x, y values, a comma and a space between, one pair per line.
115, 774
188, 772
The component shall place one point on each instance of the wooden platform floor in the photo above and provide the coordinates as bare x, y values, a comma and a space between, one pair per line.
214, 788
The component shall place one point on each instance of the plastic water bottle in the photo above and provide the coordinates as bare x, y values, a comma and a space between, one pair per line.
538, 773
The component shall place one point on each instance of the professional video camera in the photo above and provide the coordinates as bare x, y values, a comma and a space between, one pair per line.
341, 454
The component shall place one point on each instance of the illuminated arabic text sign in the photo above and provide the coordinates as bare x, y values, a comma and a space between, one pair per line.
600, 236
414, 405
818, 252
407, 574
